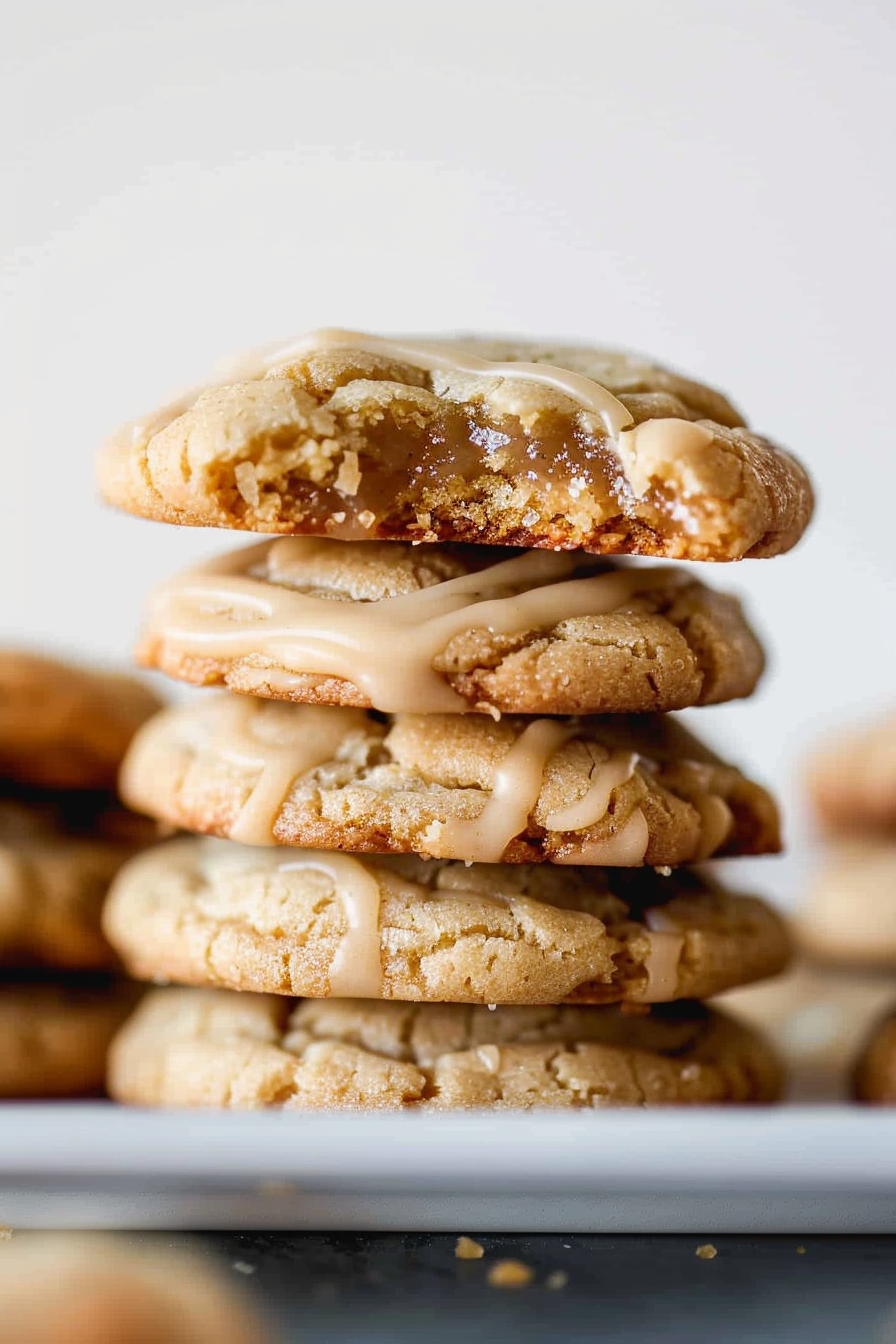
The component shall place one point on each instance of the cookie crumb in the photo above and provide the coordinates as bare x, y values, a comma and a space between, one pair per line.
468, 1249
664, 870
5, 1232
801, 1250
348, 477
247, 483
510, 1274
490, 1057
707, 1252
559, 1279
242, 1268
276, 1187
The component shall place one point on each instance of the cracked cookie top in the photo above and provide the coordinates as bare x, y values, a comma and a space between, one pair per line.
621, 790
192, 1047
348, 435
450, 628
306, 922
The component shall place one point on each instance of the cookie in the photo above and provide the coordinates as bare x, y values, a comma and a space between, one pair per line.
52, 888
54, 1036
616, 791
816, 1017
875, 1073
359, 437
849, 912
450, 628
95, 814
852, 780
63, 726
192, 1047
77, 1289
281, 921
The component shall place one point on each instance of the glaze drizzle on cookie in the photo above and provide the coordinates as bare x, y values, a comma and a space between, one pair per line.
251, 603
439, 356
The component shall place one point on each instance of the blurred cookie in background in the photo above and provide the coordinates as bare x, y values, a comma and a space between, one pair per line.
63, 836
64, 726
852, 779
84, 1289
52, 886
849, 913
825, 1014
55, 1033
875, 1073
817, 1017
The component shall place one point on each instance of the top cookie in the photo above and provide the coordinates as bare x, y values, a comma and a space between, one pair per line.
348, 435
63, 726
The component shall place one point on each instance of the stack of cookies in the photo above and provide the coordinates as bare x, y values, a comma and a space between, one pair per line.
63, 835
453, 807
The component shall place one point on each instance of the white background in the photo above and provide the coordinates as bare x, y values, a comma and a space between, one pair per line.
707, 182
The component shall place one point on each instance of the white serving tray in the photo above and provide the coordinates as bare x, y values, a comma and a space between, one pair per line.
792, 1169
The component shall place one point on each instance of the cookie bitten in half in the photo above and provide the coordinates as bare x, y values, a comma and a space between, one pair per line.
518, 443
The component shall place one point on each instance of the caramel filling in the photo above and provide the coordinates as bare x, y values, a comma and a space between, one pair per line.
386, 648
604, 457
